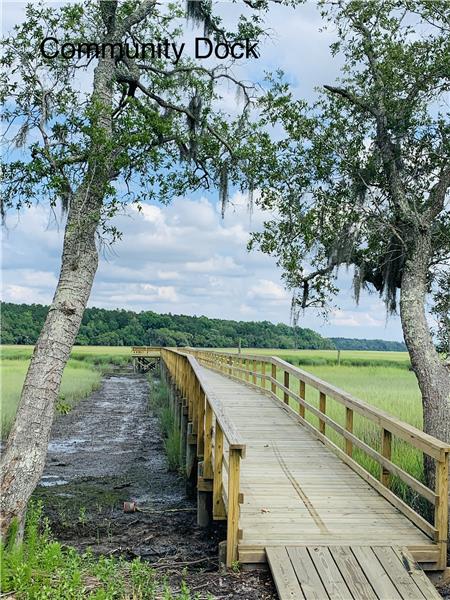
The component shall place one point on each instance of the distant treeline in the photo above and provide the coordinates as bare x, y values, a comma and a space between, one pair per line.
22, 323
357, 344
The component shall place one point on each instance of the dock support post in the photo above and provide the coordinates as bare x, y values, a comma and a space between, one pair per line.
183, 432
191, 462
204, 498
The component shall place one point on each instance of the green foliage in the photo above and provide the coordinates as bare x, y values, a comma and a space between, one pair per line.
359, 178
148, 128
41, 568
21, 323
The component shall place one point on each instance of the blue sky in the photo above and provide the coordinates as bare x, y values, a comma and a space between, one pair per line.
184, 258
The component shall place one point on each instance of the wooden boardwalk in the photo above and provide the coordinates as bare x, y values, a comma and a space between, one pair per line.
294, 498
295, 490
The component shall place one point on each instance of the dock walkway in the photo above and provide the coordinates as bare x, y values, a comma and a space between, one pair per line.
292, 496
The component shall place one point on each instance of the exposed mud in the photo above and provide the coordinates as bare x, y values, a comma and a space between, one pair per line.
109, 450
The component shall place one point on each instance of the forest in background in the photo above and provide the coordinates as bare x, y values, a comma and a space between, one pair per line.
22, 323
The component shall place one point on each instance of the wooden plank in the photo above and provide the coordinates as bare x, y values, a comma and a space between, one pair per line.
301, 407
441, 509
323, 410
349, 428
418, 576
208, 472
398, 573
386, 451
233, 506
218, 505
306, 573
273, 379
352, 573
286, 385
329, 573
284, 576
377, 576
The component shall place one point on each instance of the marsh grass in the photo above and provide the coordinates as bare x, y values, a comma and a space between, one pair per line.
41, 568
79, 380
159, 401
95, 355
391, 389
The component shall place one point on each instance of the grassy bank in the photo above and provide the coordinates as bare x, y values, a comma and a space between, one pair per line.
81, 376
42, 568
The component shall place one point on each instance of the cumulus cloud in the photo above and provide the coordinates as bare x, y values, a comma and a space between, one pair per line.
349, 318
181, 258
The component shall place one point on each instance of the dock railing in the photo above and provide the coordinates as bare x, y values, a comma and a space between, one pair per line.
145, 350
218, 445
288, 384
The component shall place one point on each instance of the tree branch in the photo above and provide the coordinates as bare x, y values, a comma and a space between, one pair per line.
353, 98
438, 192
138, 16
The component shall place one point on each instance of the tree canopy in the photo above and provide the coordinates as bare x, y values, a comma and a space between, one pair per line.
21, 324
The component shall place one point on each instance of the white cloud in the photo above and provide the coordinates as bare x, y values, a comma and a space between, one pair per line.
268, 290
349, 318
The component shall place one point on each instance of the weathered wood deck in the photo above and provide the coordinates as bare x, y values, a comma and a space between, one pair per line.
295, 490
291, 496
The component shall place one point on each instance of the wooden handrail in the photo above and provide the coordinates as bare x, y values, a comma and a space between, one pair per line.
244, 368
206, 413
145, 350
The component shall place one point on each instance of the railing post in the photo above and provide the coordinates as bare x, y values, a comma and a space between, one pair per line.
301, 408
208, 472
441, 508
386, 451
230, 362
201, 399
247, 370
218, 505
274, 376
323, 409
286, 385
254, 371
233, 506
263, 374
349, 428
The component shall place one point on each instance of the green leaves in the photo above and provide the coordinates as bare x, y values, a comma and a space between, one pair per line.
348, 179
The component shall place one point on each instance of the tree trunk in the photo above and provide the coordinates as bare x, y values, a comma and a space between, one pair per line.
23, 461
24, 458
432, 375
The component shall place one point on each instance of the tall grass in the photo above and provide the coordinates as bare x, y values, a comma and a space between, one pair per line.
159, 401
79, 379
95, 355
391, 389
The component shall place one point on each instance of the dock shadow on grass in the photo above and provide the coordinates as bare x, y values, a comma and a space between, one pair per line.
109, 450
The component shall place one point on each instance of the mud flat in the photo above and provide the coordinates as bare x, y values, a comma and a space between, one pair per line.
109, 450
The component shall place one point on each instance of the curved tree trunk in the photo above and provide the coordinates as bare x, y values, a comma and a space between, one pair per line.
23, 461
432, 375
24, 458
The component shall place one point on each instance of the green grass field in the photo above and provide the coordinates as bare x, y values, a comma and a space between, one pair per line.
81, 375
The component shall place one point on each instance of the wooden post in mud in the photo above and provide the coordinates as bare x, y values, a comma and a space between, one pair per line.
204, 497
183, 430
191, 462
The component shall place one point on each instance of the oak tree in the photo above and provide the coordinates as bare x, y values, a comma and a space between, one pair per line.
92, 130
361, 176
